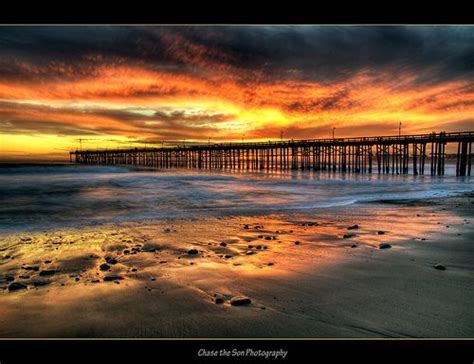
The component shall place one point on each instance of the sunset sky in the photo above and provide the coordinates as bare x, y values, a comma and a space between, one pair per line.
131, 86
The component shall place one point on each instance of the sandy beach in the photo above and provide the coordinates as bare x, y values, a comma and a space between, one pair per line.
305, 273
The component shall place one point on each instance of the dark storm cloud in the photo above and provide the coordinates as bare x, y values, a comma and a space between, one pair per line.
272, 53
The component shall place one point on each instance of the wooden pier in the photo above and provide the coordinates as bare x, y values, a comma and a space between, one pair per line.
383, 155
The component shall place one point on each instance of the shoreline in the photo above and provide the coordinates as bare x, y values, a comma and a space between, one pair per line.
325, 286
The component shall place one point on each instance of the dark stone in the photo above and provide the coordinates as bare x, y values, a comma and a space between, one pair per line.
44, 273
240, 301
219, 300
348, 236
354, 246
40, 283
10, 279
227, 256
111, 260
150, 249
126, 251
33, 268
95, 281
77, 279
104, 267
380, 232
193, 252
297, 243
15, 286
270, 264
223, 244
251, 246
385, 246
134, 269
112, 278
163, 262
259, 247
353, 227
246, 227
24, 276
47, 262
439, 267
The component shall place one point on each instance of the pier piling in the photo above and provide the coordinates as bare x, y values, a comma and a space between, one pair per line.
384, 155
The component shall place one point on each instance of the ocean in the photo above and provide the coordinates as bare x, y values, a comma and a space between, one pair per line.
49, 196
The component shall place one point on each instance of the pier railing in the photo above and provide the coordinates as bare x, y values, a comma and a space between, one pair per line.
382, 154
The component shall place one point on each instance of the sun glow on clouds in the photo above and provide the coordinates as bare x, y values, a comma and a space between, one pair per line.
118, 103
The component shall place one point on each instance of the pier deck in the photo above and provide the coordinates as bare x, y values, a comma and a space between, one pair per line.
381, 154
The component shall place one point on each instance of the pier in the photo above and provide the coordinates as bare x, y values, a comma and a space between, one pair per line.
381, 154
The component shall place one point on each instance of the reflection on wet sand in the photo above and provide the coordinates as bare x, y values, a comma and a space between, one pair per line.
277, 275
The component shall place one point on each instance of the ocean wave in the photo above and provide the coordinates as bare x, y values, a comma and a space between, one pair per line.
53, 196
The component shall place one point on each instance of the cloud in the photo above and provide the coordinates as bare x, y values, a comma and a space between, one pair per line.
311, 53
147, 84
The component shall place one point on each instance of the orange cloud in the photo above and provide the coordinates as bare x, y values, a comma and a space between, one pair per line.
365, 103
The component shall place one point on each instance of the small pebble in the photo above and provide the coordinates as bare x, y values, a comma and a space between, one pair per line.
348, 236
240, 301
104, 267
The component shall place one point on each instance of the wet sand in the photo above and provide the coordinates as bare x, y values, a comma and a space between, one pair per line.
304, 278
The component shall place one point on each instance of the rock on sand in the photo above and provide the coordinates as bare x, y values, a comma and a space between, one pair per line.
240, 301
